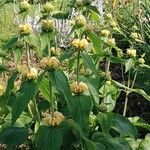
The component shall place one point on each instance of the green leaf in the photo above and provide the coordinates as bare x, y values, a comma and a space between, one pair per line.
48, 138
60, 81
10, 87
123, 126
17, 55
11, 43
67, 54
88, 62
116, 144
45, 39
80, 108
142, 92
34, 40
97, 43
13, 136
105, 120
44, 89
23, 96
145, 144
129, 64
117, 123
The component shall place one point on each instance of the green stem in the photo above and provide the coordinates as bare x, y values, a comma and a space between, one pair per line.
122, 73
37, 111
78, 66
51, 98
127, 95
28, 56
126, 104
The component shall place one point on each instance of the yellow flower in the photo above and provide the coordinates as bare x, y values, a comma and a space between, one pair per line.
89, 27
55, 51
50, 63
134, 35
78, 88
105, 33
83, 44
30, 74
131, 52
48, 7
75, 43
24, 6
141, 60
85, 72
43, 62
25, 29
79, 3
80, 21
108, 82
48, 25
53, 118
113, 23
111, 42
108, 16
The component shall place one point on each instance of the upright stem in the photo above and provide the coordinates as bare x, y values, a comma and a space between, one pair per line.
126, 104
28, 56
78, 68
51, 98
37, 111
127, 96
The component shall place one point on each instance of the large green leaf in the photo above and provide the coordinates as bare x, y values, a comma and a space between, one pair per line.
105, 120
10, 86
129, 63
11, 42
117, 123
145, 144
116, 144
123, 126
45, 89
26, 93
81, 107
45, 39
48, 138
23, 96
142, 92
13, 136
88, 61
60, 81
97, 43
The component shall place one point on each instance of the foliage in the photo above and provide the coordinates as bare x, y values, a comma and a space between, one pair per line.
65, 98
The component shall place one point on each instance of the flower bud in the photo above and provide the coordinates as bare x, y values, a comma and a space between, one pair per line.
105, 33
48, 25
108, 16
111, 42
24, 6
83, 44
47, 8
78, 88
30, 74
79, 3
131, 52
85, 72
51, 63
25, 29
141, 60
75, 43
134, 35
53, 118
108, 83
80, 21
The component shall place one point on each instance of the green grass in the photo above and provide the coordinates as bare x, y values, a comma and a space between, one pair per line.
7, 27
